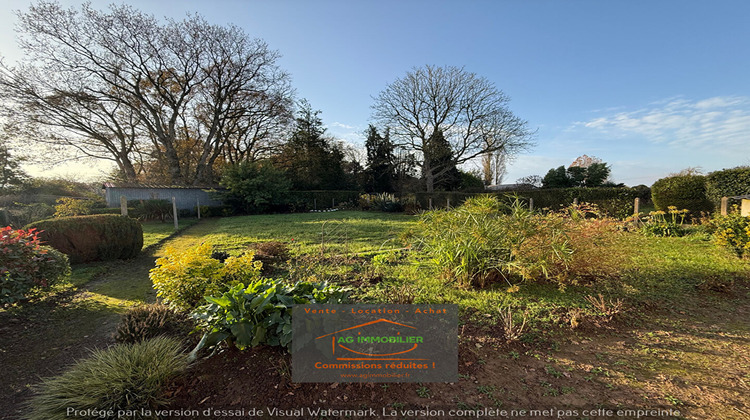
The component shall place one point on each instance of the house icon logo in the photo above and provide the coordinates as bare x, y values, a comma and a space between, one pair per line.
380, 339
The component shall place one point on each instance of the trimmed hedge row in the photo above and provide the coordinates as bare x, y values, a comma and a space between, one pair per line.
617, 202
683, 192
727, 183
92, 238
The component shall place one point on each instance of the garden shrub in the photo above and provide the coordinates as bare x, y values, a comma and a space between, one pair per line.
486, 240
215, 211
255, 187
383, 202
478, 243
657, 223
270, 253
148, 321
19, 215
68, 206
25, 264
92, 238
733, 232
683, 192
183, 278
124, 377
727, 183
595, 248
259, 313
147, 210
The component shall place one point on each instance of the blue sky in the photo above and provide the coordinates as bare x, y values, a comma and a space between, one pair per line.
651, 87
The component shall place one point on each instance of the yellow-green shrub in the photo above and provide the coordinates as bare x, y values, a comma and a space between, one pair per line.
68, 206
733, 232
183, 278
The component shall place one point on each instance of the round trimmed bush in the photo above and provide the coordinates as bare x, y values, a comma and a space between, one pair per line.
92, 238
683, 192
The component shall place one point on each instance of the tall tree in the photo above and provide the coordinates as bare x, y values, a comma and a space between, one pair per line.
312, 160
381, 165
557, 178
439, 167
11, 174
469, 110
120, 84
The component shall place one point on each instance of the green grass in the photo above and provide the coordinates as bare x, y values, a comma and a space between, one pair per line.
154, 231
344, 232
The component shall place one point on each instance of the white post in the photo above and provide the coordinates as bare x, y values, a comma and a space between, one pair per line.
448, 206
430, 201
724, 205
174, 212
637, 206
531, 204
123, 205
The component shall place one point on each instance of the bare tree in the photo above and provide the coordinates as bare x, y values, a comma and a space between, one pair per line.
119, 84
470, 112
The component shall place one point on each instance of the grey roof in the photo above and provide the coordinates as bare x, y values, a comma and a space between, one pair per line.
159, 186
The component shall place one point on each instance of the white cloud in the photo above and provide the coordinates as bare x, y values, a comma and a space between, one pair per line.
340, 125
707, 123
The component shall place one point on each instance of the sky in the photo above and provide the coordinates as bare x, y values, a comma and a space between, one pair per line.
649, 87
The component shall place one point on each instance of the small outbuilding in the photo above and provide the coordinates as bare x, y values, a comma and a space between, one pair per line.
186, 198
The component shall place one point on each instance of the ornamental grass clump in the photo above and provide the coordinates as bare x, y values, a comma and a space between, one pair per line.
126, 378
486, 240
148, 321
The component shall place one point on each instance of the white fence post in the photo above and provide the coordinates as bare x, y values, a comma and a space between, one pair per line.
174, 212
123, 205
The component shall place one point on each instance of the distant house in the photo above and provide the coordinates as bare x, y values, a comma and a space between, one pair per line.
185, 197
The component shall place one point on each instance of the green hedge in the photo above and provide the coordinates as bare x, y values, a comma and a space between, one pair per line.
616, 202
727, 183
92, 238
683, 192
320, 199
109, 210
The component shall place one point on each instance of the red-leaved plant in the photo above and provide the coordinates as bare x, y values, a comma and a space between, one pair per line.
25, 264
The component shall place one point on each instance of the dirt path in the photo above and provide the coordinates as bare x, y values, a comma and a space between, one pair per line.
42, 338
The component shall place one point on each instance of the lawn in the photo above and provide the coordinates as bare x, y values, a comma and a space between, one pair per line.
156, 231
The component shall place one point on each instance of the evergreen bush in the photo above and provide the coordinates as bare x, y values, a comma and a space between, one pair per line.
683, 192
92, 238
